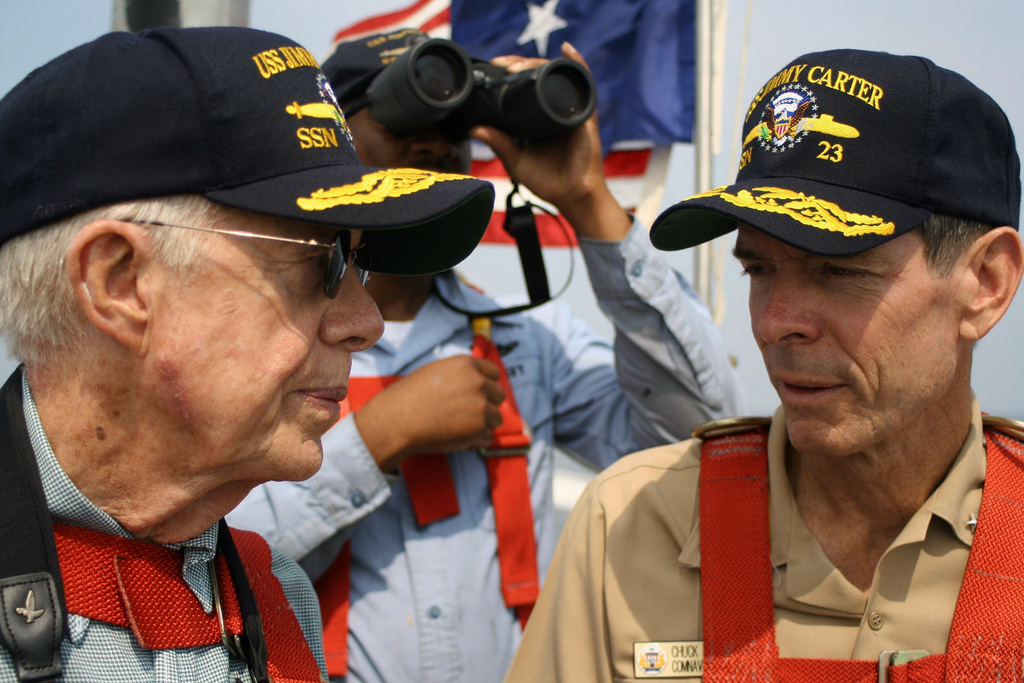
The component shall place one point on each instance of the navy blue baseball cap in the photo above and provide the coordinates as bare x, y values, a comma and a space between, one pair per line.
242, 117
846, 149
354, 63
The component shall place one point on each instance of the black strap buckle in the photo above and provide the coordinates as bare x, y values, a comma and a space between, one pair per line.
32, 625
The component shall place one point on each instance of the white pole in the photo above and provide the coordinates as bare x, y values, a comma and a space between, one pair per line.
653, 190
136, 15
214, 12
702, 137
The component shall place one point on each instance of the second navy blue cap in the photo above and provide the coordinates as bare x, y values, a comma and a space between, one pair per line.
355, 63
846, 149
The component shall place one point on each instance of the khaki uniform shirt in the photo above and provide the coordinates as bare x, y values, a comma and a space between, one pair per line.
627, 566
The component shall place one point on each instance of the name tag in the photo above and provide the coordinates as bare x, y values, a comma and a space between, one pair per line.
675, 659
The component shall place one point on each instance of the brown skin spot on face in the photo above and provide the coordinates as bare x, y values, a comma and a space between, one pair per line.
100, 433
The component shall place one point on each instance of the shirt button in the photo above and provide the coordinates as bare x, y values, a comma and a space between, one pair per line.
434, 612
637, 269
876, 620
357, 499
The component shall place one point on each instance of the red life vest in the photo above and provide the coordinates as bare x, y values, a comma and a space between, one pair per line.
432, 492
139, 585
985, 641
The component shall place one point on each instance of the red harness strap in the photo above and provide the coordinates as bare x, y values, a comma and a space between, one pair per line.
139, 585
736, 588
432, 491
510, 489
333, 589
426, 475
289, 658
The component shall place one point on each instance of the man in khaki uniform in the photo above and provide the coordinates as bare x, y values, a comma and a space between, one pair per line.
877, 207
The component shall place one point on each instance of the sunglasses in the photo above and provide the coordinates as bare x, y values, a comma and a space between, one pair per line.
339, 252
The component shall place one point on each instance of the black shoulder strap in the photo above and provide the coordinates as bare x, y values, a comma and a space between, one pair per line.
31, 592
253, 642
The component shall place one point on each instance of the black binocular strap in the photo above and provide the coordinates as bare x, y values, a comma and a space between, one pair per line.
253, 642
521, 224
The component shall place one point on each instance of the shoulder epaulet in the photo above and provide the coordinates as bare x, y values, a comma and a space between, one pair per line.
729, 426
1014, 428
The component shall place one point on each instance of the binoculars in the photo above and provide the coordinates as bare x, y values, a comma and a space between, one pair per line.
435, 81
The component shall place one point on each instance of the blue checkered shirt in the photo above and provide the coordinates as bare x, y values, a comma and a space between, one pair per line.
93, 651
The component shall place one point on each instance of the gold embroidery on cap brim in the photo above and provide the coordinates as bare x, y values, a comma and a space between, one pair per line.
374, 188
808, 210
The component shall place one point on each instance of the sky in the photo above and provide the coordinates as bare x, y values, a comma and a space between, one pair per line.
978, 38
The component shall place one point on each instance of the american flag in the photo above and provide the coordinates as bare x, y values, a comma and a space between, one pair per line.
636, 162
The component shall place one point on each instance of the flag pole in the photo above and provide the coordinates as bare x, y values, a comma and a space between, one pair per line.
653, 190
702, 137
136, 15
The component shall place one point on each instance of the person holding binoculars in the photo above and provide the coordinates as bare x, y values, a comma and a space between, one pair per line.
431, 523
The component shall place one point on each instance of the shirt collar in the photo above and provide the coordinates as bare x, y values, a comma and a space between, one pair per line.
810, 576
435, 324
66, 502
957, 497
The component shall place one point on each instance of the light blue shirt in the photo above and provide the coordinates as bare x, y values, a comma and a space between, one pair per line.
426, 601
93, 651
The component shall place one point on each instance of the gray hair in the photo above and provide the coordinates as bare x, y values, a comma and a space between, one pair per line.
946, 239
40, 318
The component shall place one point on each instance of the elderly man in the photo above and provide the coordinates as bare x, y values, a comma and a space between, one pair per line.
872, 530
185, 232
441, 597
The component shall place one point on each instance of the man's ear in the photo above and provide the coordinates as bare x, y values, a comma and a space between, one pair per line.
995, 263
104, 263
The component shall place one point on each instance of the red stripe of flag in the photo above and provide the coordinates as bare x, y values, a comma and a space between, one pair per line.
622, 162
550, 232
619, 162
442, 19
394, 20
